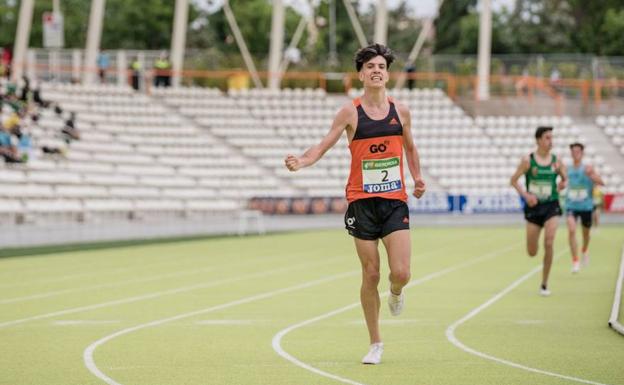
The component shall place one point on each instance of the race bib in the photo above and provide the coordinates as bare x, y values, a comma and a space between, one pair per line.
577, 194
542, 190
381, 175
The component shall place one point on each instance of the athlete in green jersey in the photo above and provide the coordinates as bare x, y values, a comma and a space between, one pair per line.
541, 194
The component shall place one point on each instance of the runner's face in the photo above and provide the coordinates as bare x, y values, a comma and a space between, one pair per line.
577, 153
545, 142
374, 73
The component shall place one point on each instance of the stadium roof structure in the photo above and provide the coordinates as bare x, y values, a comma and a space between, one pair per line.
278, 62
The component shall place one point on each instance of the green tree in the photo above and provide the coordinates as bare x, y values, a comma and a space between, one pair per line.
8, 22
542, 26
129, 24
612, 32
590, 16
448, 25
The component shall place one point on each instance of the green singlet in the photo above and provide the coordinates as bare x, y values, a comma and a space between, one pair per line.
542, 180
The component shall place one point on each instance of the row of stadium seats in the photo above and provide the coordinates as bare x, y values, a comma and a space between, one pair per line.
183, 146
613, 127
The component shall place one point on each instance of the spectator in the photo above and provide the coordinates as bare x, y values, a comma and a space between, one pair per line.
162, 68
555, 80
38, 99
6, 56
7, 150
70, 132
135, 66
103, 62
25, 90
409, 70
522, 85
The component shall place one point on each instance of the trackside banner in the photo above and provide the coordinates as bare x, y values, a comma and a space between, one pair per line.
431, 202
614, 203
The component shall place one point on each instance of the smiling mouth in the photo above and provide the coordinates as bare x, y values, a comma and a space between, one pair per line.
376, 78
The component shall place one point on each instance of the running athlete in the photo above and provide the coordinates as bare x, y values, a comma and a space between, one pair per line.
378, 129
580, 202
541, 195
598, 204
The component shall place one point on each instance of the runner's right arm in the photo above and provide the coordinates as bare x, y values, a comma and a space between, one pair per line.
523, 167
343, 119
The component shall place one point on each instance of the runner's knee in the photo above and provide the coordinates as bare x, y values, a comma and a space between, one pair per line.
532, 249
371, 277
401, 276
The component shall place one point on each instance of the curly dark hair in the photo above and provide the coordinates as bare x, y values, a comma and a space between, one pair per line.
541, 131
367, 53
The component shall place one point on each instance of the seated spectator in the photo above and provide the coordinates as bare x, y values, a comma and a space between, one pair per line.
38, 99
70, 131
7, 150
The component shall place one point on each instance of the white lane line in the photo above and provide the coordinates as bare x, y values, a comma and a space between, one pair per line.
88, 353
277, 339
450, 331
84, 322
94, 271
62, 278
103, 286
228, 322
161, 293
617, 300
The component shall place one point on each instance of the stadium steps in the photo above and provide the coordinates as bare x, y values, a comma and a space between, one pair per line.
222, 141
604, 146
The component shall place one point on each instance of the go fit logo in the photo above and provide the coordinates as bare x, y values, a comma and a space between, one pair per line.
375, 148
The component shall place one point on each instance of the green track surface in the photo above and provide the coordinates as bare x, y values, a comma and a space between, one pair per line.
566, 333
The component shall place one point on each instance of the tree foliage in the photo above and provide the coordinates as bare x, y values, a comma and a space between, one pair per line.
533, 26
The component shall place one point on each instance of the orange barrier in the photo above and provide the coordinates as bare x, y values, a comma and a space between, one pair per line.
454, 85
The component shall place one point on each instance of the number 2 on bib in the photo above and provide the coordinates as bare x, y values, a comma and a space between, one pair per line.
381, 175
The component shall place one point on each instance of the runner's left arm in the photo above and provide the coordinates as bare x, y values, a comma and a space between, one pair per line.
593, 175
411, 152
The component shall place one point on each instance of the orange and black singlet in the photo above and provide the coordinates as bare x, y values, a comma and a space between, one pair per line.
376, 157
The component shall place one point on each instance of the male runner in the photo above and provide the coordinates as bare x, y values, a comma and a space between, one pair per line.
378, 130
541, 194
580, 202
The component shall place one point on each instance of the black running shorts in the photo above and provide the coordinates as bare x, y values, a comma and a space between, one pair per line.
541, 212
586, 217
374, 218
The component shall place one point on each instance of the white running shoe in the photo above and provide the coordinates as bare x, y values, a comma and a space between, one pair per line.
395, 303
544, 292
585, 259
374, 354
576, 267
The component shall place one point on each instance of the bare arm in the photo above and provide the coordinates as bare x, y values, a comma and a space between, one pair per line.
316, 152
593, 175
411, 152
522, 168
562, 170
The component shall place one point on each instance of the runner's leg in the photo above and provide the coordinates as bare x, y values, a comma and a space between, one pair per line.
369, 295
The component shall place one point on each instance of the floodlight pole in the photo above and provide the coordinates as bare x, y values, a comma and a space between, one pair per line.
178, 40
22, 36
240, 41
411, 59
357, 27
381, 22
94, 35
420, 41
485, 50
294, 42
333, 54
277, 43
